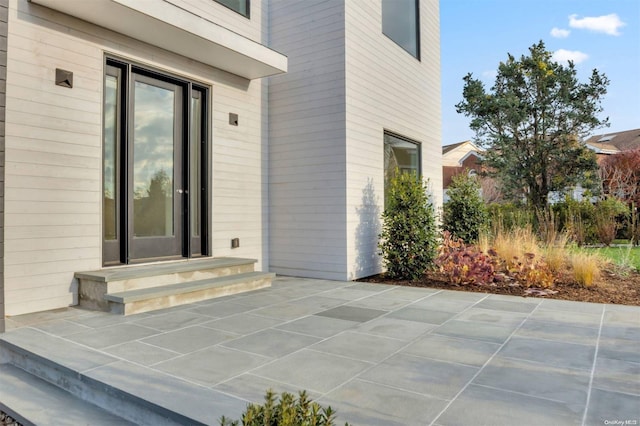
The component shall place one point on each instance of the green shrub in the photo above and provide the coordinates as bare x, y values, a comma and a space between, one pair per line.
509, 216
577, 219
408, 241
287, 411
465, 214
607, 219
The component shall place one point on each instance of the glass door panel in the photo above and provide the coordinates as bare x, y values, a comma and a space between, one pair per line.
153, 142
195, 172
156, 188
110, 166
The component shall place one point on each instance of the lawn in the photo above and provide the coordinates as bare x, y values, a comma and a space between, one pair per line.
627, 256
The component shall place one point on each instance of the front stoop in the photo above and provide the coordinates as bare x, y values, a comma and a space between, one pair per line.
33, 401
48, 380
143, 288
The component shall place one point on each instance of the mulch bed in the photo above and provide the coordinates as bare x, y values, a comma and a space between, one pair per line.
613, 287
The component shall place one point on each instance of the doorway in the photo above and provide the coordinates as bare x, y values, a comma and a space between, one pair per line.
154, 165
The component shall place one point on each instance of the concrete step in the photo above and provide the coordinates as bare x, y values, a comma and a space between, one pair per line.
137, 394
94, 285
161, 297
33, 401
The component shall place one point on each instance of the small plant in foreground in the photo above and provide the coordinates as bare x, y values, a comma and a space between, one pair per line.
408, 241
287, 411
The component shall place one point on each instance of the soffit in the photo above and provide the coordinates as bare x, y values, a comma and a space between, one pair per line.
165, 25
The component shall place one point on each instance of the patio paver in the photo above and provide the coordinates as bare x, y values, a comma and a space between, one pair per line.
367, 403
312, 370
479, 405
379, 354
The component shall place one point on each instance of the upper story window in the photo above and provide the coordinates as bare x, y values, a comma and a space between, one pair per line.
401, 23
240, 6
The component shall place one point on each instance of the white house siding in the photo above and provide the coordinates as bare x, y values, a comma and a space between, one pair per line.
307, 155
251, 27
3, 87
346, 84
386, 89
54, 149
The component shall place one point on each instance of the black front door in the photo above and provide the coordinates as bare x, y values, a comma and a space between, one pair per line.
154, 146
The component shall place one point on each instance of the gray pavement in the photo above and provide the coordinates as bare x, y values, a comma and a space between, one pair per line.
378, 354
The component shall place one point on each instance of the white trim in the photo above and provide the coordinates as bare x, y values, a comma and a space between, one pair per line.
469, 154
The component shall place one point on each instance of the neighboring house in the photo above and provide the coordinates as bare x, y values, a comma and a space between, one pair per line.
279, 115
613, 143
619, 172
461, 157
605, 145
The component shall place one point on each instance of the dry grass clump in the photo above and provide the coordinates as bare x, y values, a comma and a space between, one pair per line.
516, 243
586, 268
555, 257
555, 253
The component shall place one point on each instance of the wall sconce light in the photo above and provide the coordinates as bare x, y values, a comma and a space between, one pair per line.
235, 243
233, 119
64, 78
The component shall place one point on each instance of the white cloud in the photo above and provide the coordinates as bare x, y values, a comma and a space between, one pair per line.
559, 33
608, 24
562, 55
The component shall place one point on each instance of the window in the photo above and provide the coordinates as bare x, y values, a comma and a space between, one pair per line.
401, 23
400, 154
240, 6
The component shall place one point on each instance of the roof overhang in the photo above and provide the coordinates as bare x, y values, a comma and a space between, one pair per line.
165, 25
600, 150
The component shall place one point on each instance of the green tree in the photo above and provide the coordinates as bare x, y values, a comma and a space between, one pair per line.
531, 123
465, 214
408, 241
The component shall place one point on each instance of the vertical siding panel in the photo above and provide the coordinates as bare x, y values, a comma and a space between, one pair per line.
386, 89
4, 4
306, 140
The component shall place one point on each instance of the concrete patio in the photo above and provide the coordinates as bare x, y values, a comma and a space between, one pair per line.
378, 354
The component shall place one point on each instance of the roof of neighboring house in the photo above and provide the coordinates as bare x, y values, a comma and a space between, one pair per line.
455, 154
453, 146
611, 143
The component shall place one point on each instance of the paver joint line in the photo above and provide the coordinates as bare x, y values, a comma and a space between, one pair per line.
358, 376
482, 368
593, 369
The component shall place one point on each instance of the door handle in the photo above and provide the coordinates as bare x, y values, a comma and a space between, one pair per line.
179, 191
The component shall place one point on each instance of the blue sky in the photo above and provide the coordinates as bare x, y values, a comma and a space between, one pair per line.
603, 34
